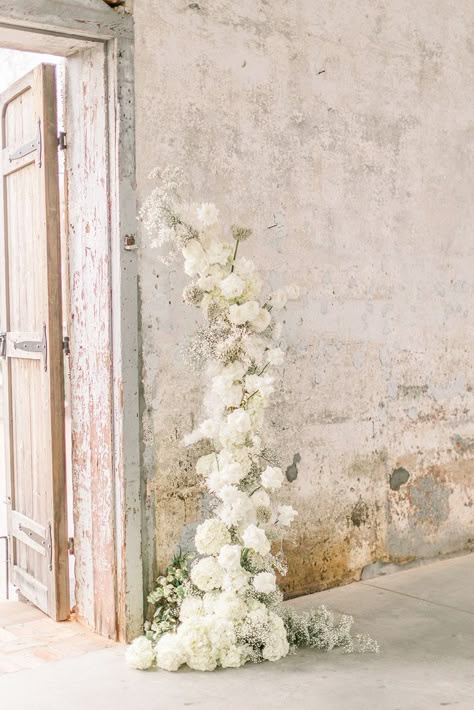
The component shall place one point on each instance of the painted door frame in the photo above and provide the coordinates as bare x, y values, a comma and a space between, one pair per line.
98, 44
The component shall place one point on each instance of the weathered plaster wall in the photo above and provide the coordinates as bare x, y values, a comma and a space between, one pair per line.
349, 125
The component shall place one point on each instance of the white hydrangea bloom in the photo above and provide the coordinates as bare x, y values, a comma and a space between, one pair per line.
140, 654
191, 606
272, 478
229, 557
256, 538
211, 535
207, 574
169, 652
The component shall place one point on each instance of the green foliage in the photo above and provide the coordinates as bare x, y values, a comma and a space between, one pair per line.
167, 597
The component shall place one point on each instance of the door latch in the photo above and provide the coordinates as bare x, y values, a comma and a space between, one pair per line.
3, 344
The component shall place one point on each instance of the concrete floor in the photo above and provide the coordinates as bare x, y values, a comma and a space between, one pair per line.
423, 618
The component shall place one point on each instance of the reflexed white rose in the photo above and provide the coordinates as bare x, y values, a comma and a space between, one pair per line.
272, 478
229, 557
275, 356
232, 286
229, 393
259, 383
207, 214
293, 292
210, 536
278, 299
286, 514
262, 321
169, 652
140, 654
244, 313
224, 476
244, 267
260, 499
264, 582
255, 538
241, 510
196, 261
207, 574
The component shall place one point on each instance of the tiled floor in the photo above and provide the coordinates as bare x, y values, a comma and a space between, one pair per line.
29, 639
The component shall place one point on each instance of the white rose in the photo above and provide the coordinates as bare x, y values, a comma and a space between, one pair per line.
218, 253
210, 536
286, 514
259, 383
140, 654
272, 478
255, 538
245, 267
207, 574
207, 214
293, 292
229, 393
275, 356
244, 313
278, 299
262, 321
264, 582
229, 557
196, 261
232, 286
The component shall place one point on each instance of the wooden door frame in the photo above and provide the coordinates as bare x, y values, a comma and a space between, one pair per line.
98, 44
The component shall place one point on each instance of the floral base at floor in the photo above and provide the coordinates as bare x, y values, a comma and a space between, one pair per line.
223, 608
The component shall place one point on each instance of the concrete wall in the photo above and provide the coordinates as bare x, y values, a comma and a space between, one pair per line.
349, 125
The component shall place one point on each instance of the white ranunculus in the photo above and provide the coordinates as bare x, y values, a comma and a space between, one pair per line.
275, 356
140, 654
262, 321
286, 514
278, 299
272, 478
293, 292
264, 582
232, 286
256, 538
246, 312
211, 535
169, 652
196, 261
207, 214
229, 557
207, 574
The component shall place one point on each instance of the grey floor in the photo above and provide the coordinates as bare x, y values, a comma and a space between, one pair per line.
423, 618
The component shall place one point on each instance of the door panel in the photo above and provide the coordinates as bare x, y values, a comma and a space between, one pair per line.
32, 346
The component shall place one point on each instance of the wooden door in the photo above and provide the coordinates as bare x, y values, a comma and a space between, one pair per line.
31, 347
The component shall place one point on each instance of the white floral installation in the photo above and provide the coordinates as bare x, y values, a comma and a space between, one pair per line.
227, 609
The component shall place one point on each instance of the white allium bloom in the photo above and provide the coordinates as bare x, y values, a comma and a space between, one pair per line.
260, 499
169, 652
286, 514
275, 356
246, 312
264, 582
207, 574
196, 261
211, 535
229, 557
278, 299
262, 321
256, 538
293, 292
191, 606
232, 286
140, 654
207, 214
272, 478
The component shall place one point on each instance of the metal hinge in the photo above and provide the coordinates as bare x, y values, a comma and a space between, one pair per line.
3, 344
35, 346
28, 148
66, 345
62, 140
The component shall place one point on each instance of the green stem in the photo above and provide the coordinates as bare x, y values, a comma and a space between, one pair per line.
235, 254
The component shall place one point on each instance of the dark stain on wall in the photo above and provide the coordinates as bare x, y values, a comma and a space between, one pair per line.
398, 478
292, 470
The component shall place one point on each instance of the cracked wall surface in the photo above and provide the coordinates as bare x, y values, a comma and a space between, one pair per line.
349, 126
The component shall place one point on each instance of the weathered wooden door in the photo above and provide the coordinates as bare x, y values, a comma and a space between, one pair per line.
31, 342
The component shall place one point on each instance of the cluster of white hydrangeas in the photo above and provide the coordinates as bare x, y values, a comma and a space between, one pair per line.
229, 617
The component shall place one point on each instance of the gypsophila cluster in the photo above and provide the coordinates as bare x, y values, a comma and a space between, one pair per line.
229, 611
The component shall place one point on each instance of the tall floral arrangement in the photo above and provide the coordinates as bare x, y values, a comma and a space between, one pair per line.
228, 611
